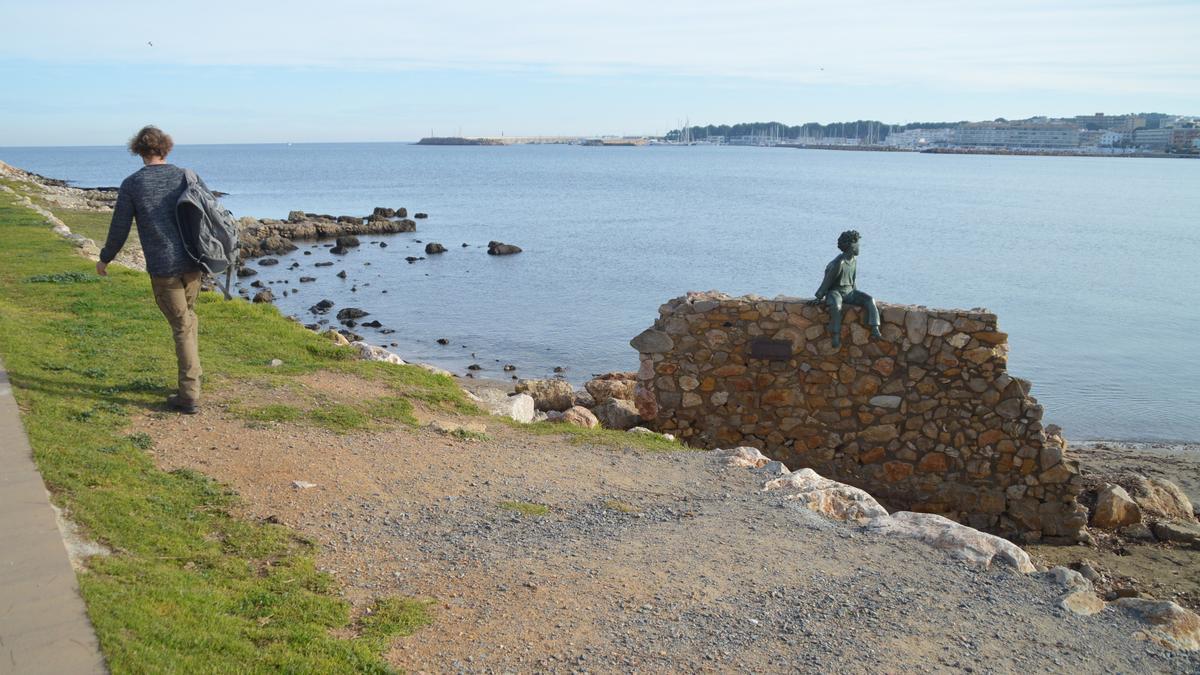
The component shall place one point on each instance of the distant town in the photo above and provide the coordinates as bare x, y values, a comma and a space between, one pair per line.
1140, 134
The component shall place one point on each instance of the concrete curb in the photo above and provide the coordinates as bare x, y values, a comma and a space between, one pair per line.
44, 626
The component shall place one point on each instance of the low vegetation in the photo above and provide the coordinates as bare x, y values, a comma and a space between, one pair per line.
188, 587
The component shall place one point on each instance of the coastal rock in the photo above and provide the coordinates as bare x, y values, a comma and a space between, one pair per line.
420, 215
744, 456
651, 341
383, 211
518, 407
1169, 624
548, 394
617, 414
1115, 508
244, 272
1070, 579
368, 352
265, 295
827, 497
1161, 498
500, 248
580, 417
295, 216
1180, 532
336, 337
321, 307
350, 220
584, 399
350, 313
305, 280
1082, 602
610, 386
401, 212
433, 247
348, 241
962, 542
268, 262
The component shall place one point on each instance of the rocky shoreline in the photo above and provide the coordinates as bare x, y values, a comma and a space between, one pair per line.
1133, 513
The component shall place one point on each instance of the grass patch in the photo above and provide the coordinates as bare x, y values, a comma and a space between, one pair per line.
275, 412
189, 588
390, 617
608, 437
74, 277
337, 417
468, 435
526, 508
91, 224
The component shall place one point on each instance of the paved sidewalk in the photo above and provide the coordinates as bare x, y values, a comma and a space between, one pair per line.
44, 626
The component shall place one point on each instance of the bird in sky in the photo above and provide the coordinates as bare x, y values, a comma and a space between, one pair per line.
149, 43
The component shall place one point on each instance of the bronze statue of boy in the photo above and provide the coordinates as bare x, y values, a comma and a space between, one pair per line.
838, 289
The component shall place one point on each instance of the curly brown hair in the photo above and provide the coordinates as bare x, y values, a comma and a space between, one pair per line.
846, 238
151, 141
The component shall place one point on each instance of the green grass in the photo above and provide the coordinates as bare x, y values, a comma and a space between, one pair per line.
608, 437
91, 224
337, 417
468, 435
526, 508
189, 587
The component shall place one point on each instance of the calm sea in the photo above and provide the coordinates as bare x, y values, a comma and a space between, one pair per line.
1091, 263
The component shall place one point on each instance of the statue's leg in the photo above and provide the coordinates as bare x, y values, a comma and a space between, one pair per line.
870, 310
834, 301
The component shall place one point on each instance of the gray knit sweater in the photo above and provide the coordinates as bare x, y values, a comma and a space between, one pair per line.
150, 195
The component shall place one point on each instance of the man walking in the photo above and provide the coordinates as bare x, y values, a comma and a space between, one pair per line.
150, 196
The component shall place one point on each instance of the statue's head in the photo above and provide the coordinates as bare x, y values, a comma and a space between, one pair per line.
849, 240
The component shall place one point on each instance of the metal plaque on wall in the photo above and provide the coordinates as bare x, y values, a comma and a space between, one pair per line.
771, 350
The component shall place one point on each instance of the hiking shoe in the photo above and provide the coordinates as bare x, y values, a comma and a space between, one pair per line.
181, 405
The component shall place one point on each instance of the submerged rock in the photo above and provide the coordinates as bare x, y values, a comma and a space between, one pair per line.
500, 248
433, 247
265, 295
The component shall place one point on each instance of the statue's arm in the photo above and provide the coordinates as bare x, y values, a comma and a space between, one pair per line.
827, 282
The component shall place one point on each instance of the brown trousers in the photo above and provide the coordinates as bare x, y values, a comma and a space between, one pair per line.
176, 297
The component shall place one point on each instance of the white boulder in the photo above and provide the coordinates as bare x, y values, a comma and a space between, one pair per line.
965, 543
368, 352
828, 497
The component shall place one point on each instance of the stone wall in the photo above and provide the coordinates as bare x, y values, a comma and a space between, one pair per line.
926, 419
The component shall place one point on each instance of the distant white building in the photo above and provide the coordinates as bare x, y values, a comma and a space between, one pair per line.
1017, 136
1100, 139
1162, 139
919, 138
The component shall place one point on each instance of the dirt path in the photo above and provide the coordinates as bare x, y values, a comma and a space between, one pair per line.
648, 562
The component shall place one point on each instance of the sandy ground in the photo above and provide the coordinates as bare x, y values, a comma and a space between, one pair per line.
643, 562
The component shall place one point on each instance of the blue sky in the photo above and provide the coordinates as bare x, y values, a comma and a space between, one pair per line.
82, 73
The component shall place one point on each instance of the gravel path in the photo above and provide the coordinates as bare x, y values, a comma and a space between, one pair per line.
647, 562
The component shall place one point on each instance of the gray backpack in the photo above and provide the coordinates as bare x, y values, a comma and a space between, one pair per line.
208, 230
